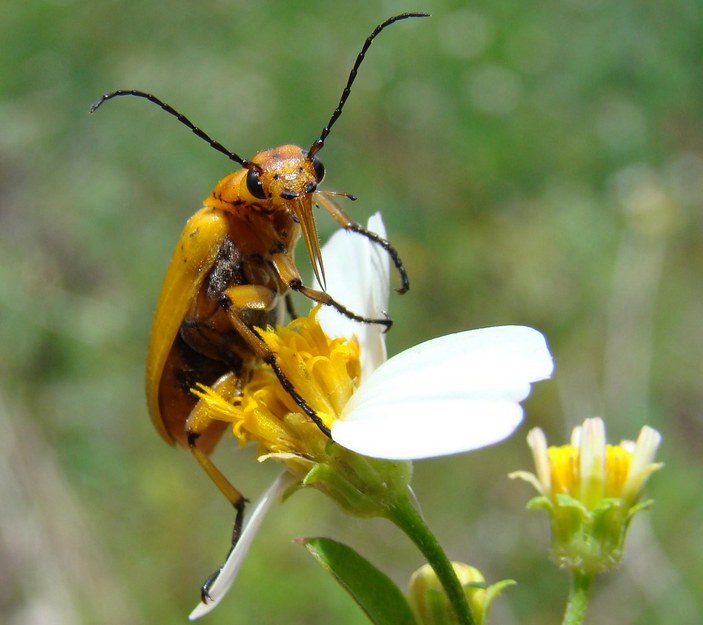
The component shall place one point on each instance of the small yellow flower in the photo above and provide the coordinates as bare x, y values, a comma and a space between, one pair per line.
591, 490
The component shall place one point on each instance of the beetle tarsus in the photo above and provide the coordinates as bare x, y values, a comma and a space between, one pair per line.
238, 520
392, 252
207, 585
323, 297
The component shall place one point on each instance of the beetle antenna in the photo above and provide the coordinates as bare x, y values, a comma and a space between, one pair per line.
179, 116
317, 145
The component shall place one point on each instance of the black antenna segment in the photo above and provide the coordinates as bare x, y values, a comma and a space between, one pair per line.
317, 145
180, 117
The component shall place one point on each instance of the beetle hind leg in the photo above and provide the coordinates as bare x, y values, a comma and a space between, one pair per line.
229, 385
237, 500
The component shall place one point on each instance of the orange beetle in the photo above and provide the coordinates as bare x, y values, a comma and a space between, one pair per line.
231, 271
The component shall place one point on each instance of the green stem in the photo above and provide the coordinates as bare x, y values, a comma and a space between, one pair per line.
404, 515
578, 599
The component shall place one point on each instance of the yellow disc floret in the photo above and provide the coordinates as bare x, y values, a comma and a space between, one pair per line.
566, 478
323, 370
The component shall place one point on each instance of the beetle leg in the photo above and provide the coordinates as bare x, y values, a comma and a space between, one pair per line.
326, 299
229, 386
291, 277
290, 307
236, 498
257, 345
341, 218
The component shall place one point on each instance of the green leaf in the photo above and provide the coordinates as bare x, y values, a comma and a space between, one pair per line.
373, 590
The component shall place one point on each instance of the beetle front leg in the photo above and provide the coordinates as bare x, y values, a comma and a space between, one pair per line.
289, 274
325, 298
341, 218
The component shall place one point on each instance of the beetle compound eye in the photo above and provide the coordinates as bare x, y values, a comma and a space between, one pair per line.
319, 169
254, 184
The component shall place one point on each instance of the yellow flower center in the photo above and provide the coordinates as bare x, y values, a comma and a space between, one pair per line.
324, 371
566, 475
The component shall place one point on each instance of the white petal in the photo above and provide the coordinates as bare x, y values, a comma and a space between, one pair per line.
491, 363
452, 394
592, 461
357, 273
538, 444
426, 429
229, 570
645, 450
642, 463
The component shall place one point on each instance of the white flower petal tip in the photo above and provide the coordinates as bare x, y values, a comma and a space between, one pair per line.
229, 570
449, 395
365, 289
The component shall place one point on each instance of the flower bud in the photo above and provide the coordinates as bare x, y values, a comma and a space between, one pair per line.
591, 491
431, 605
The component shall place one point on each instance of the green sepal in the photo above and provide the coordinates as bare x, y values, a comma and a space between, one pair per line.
540, 502
365, 487
373, 590
643, 505
496, 589
566, 501
334, 484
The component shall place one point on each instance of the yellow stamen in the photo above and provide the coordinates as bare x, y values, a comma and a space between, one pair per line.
617, 468
564, 465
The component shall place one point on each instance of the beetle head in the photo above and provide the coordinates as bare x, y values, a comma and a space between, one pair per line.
283, 174
285, 178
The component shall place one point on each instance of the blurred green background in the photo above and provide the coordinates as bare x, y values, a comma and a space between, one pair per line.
536, 162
